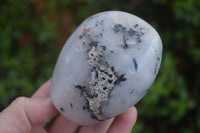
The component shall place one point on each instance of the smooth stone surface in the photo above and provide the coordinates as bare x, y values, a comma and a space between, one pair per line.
106, 66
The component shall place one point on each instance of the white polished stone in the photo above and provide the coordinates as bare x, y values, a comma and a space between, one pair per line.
105, 67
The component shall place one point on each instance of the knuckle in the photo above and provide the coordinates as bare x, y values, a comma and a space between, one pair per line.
20, 100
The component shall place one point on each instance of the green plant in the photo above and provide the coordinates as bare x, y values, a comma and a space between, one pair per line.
29, 45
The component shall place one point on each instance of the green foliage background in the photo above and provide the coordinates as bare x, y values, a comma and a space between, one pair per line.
29, 46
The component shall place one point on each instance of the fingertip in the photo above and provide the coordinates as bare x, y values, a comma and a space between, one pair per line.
129, 116
43, 90
62, 124
124, 122
133, 113
101, 127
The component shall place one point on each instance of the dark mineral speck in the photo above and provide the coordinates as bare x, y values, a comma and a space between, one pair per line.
95, 83
125, 46
136, 25
139, 39
80, 37
131, 32
118, 28
94, 117
110, 81
71, 105
156, 65
104, 88
113, 68
132, 91
102, 22
156, 68
96, 74
135, 64
79, 87
120, 78
103, 47
93, 43
61, 109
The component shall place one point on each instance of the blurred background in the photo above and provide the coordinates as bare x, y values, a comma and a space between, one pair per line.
32, 33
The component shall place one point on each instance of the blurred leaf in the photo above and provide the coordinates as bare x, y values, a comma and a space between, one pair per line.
30, 31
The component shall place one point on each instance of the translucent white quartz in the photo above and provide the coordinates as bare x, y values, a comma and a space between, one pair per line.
105, 67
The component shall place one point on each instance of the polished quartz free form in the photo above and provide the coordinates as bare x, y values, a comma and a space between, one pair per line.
106, 66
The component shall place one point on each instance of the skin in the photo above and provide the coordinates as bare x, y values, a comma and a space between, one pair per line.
29, 115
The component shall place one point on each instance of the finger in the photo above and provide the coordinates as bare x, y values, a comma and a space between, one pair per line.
101, 127
37, 129
23, 113
124, 122
43, 91
63, 125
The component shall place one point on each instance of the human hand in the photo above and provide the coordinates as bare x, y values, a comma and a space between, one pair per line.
29, 115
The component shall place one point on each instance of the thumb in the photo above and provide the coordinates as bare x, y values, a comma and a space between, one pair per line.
23, 112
